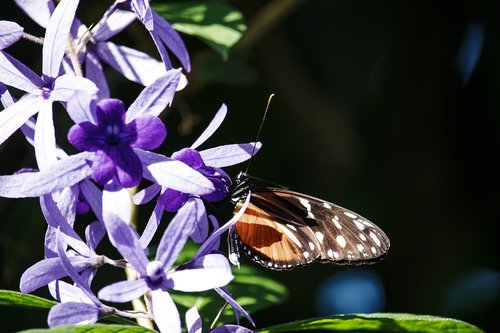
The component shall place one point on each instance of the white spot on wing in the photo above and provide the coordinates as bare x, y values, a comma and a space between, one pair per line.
360, 247
375, 238
341, 241
360, 225
362, 237
374, 250
306, 254
336, 222
305, 203
351, 215
311, 246
289, 234
319, 237
291, 226
329, 253
336, 255
327, 205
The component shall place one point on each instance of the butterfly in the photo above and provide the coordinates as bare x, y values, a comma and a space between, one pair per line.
282, 229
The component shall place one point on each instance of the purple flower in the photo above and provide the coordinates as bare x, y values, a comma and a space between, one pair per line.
112, 139
202, 273
173, 200
42, 91
78, 304
208, 162
83, 257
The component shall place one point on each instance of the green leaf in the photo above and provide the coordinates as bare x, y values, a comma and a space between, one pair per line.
251, 289
217, 24
14, 298
379, 322
97, 328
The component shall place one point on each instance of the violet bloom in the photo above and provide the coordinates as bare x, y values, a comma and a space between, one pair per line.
83, 257
207, 162
112, 140
78, 304
42, 91
173, 200
203, 273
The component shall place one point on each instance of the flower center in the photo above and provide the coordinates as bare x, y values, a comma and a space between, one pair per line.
113, 134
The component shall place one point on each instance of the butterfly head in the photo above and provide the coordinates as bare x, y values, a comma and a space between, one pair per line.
242, 187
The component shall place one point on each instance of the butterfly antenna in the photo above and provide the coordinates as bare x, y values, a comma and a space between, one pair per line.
260, 130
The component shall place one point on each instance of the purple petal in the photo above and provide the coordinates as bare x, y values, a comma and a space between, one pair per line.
231, 329
66, 202
176, 235
95, 73
66, 85
81, 108
144, 12
46, 271
15, 74
56, 220
172, 40
151, 226
193, 320
173, 174
13, 117
189, 156
64, 173
56, 36
94, 233
134, 65
151, 132
65, 292
45, 137
73, 313
5, 97
212, 127
38, 10
161, 49
203, 273
85, 136
146, 195
126, 240
116, 200
156, 96
173, 200
226, 295
123, 291
72, 272
115, 23
128, 166
10, 32
228, 155
103, 168
200, 231
165, 312
110, 111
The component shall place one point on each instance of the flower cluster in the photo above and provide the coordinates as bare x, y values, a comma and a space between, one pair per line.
112, 155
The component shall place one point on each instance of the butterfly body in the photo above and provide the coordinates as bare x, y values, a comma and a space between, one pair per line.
282, 229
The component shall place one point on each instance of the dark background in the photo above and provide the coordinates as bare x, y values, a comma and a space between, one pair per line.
373, 111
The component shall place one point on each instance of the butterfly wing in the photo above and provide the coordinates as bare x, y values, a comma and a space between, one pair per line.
283, 229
